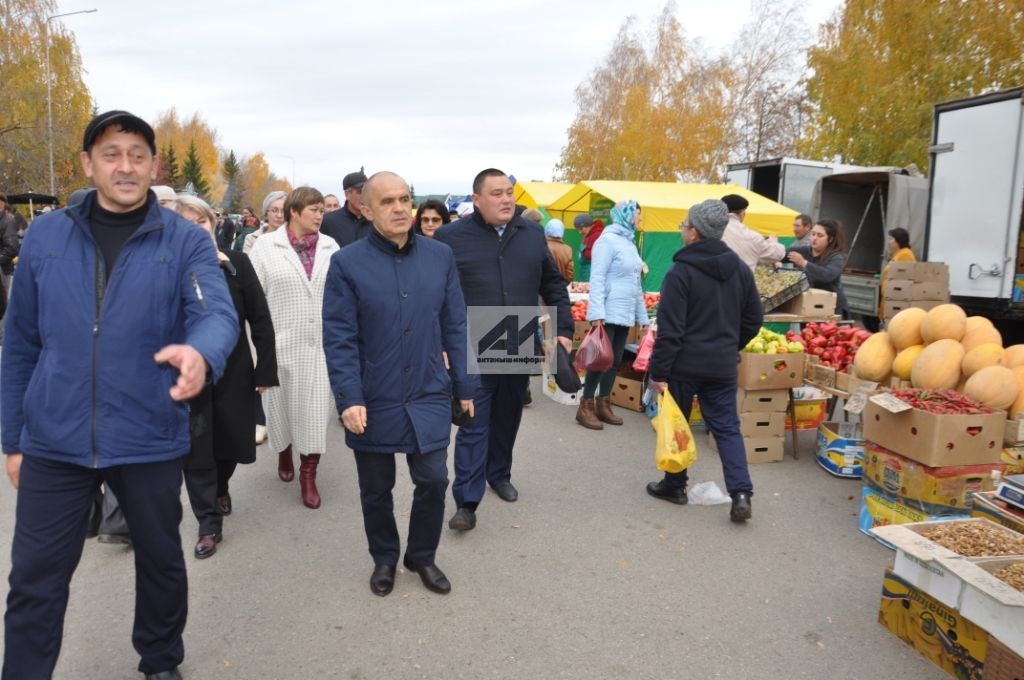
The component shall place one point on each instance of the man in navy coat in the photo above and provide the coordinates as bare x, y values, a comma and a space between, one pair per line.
503, 261
392, 309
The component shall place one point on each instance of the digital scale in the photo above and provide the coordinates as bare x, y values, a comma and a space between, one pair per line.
1011, 490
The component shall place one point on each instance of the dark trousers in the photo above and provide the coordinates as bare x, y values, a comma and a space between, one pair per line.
261, 416
602, 383
105, 516
49, 532
225, 470
483, 450
429, 473
718, 406
202, 495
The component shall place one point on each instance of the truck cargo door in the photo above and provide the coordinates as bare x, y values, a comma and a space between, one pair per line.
976, 185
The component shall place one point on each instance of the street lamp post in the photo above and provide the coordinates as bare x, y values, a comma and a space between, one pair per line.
49, 98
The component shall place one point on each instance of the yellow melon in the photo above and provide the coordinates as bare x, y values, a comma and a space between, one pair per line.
938, 365
1018, 405
904, 329
976, 322
1014, 356
993, 386
905, 361
980, 357
980, 336
945, 322
874, 358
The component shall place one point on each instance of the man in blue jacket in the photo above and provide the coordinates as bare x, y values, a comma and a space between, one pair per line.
709, 310
503, 260
392, 310
118, 315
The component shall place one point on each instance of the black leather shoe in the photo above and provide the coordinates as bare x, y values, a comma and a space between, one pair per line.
382, 580
432, 577
464, 519
224, 504
740, 511
659, 490
506, 492
206, 546
172, 674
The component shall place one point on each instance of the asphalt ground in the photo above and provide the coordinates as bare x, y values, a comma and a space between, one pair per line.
586, 576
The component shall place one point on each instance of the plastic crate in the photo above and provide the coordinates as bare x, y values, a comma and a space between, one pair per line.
786, 294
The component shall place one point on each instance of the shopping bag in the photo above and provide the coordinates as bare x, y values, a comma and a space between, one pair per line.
675, 449
595, 352
643, 353
566, 377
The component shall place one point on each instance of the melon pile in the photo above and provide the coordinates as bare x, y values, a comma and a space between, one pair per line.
943, 348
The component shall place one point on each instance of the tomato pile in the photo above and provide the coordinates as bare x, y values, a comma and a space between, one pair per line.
651, 300
943, 402
579, 310
836, 345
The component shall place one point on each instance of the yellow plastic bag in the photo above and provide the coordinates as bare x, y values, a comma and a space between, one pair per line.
676, 449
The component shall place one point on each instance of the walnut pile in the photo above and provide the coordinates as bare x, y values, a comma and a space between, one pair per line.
975, 539
1013, 574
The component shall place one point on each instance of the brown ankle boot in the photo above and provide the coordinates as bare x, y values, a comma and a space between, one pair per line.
605, 413
586, 416
307, 480
285, 468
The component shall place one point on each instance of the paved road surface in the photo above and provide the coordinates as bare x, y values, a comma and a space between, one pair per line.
585, 577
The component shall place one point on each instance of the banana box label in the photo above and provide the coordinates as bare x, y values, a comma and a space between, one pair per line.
938, 632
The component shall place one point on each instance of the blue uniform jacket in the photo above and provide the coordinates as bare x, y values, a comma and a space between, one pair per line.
388, 315
79, 383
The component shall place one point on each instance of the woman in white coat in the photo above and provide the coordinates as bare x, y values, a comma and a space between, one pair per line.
292, 266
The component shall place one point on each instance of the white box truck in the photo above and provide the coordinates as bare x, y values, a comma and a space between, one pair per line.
976, 205
789, 181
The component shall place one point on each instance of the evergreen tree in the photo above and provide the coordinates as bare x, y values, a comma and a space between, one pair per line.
232, 170
192, 172
170, 175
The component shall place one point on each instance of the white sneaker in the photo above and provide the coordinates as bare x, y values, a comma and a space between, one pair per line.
261, 434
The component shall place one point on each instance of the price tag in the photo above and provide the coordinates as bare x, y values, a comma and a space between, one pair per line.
890, 403
859, 399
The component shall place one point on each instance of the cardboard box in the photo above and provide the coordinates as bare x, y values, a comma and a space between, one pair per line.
1013, 456
920, 272
1001, 663
940, 572
762, 401
840, 449
822, 375
809, 414
933, 490
770, 371
878, 509
942, 635
628, 393
990, 603
891, 308
936, 440
579, 330
909, 291
814, 303
984, 504
1014, 432
759, 449
756, 425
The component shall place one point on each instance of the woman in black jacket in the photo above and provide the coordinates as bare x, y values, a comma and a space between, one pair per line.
222, 424
823, 260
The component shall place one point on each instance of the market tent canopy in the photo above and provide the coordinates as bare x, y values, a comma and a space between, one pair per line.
539, 194
663, 205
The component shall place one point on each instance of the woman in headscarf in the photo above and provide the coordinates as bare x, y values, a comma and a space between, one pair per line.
292, 265
225, 429
617, 303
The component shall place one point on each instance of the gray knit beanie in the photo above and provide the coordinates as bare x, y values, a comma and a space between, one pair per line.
709, 218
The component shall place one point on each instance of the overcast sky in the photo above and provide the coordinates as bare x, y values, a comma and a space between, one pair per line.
435, 91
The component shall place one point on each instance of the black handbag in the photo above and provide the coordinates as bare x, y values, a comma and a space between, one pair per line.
565, 373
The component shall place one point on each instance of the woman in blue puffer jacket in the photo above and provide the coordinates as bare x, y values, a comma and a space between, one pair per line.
617, 303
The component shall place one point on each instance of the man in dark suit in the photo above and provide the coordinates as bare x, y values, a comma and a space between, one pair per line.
348, 224
503, 261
